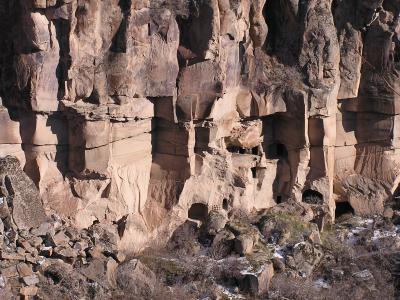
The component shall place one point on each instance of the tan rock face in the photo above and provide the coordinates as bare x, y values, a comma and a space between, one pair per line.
133, 111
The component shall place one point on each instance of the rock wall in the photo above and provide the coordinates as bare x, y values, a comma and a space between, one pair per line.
131, 111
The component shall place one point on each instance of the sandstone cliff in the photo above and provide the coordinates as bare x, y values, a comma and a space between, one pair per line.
132, 111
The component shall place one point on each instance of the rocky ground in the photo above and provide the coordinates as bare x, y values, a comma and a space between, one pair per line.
273, 254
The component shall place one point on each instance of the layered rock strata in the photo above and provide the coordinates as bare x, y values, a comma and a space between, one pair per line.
133, 111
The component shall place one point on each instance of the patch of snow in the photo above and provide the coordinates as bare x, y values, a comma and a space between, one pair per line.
249, 271
367, 221
299, 244
42, 260
380, 234
2, 282
230, 294
363, 275
278, 252
321, 283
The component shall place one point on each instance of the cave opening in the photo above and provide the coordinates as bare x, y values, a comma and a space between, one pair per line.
343, 208
312, 197
198, 211
255, 151
225, 204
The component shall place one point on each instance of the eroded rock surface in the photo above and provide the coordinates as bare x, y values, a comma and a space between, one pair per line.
131, 112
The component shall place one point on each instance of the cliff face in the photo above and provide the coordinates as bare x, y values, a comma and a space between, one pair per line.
132, 111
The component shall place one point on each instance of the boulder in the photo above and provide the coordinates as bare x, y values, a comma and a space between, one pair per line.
305, 257
27, 208
222, 245
135, 279
257, 283
215, 222
244, 244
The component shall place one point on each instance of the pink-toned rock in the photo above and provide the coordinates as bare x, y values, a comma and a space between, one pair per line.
137, 110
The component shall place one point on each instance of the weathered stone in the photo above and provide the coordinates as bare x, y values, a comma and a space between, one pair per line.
215, 222
244, 244
9, 272
222, 244
65, 253
388, 213
122, 116
12, 256
28, 291
27, 208
26, 245
135, 278
279, 265
60, 239
258, 283
36, 241
305, 257
31, 279
364, 275
81, 245
24, 270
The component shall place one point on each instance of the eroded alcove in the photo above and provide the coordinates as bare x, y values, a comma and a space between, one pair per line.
312, 197
343, 208
198, 211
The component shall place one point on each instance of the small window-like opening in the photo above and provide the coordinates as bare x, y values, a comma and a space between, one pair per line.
254, 172
343, 208
313, 197
198, 211
278, 199
255, 151
236, 149
225, 204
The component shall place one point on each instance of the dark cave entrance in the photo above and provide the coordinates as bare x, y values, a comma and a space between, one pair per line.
312, 197
225, 204
343, 208
198, 211
255, 150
